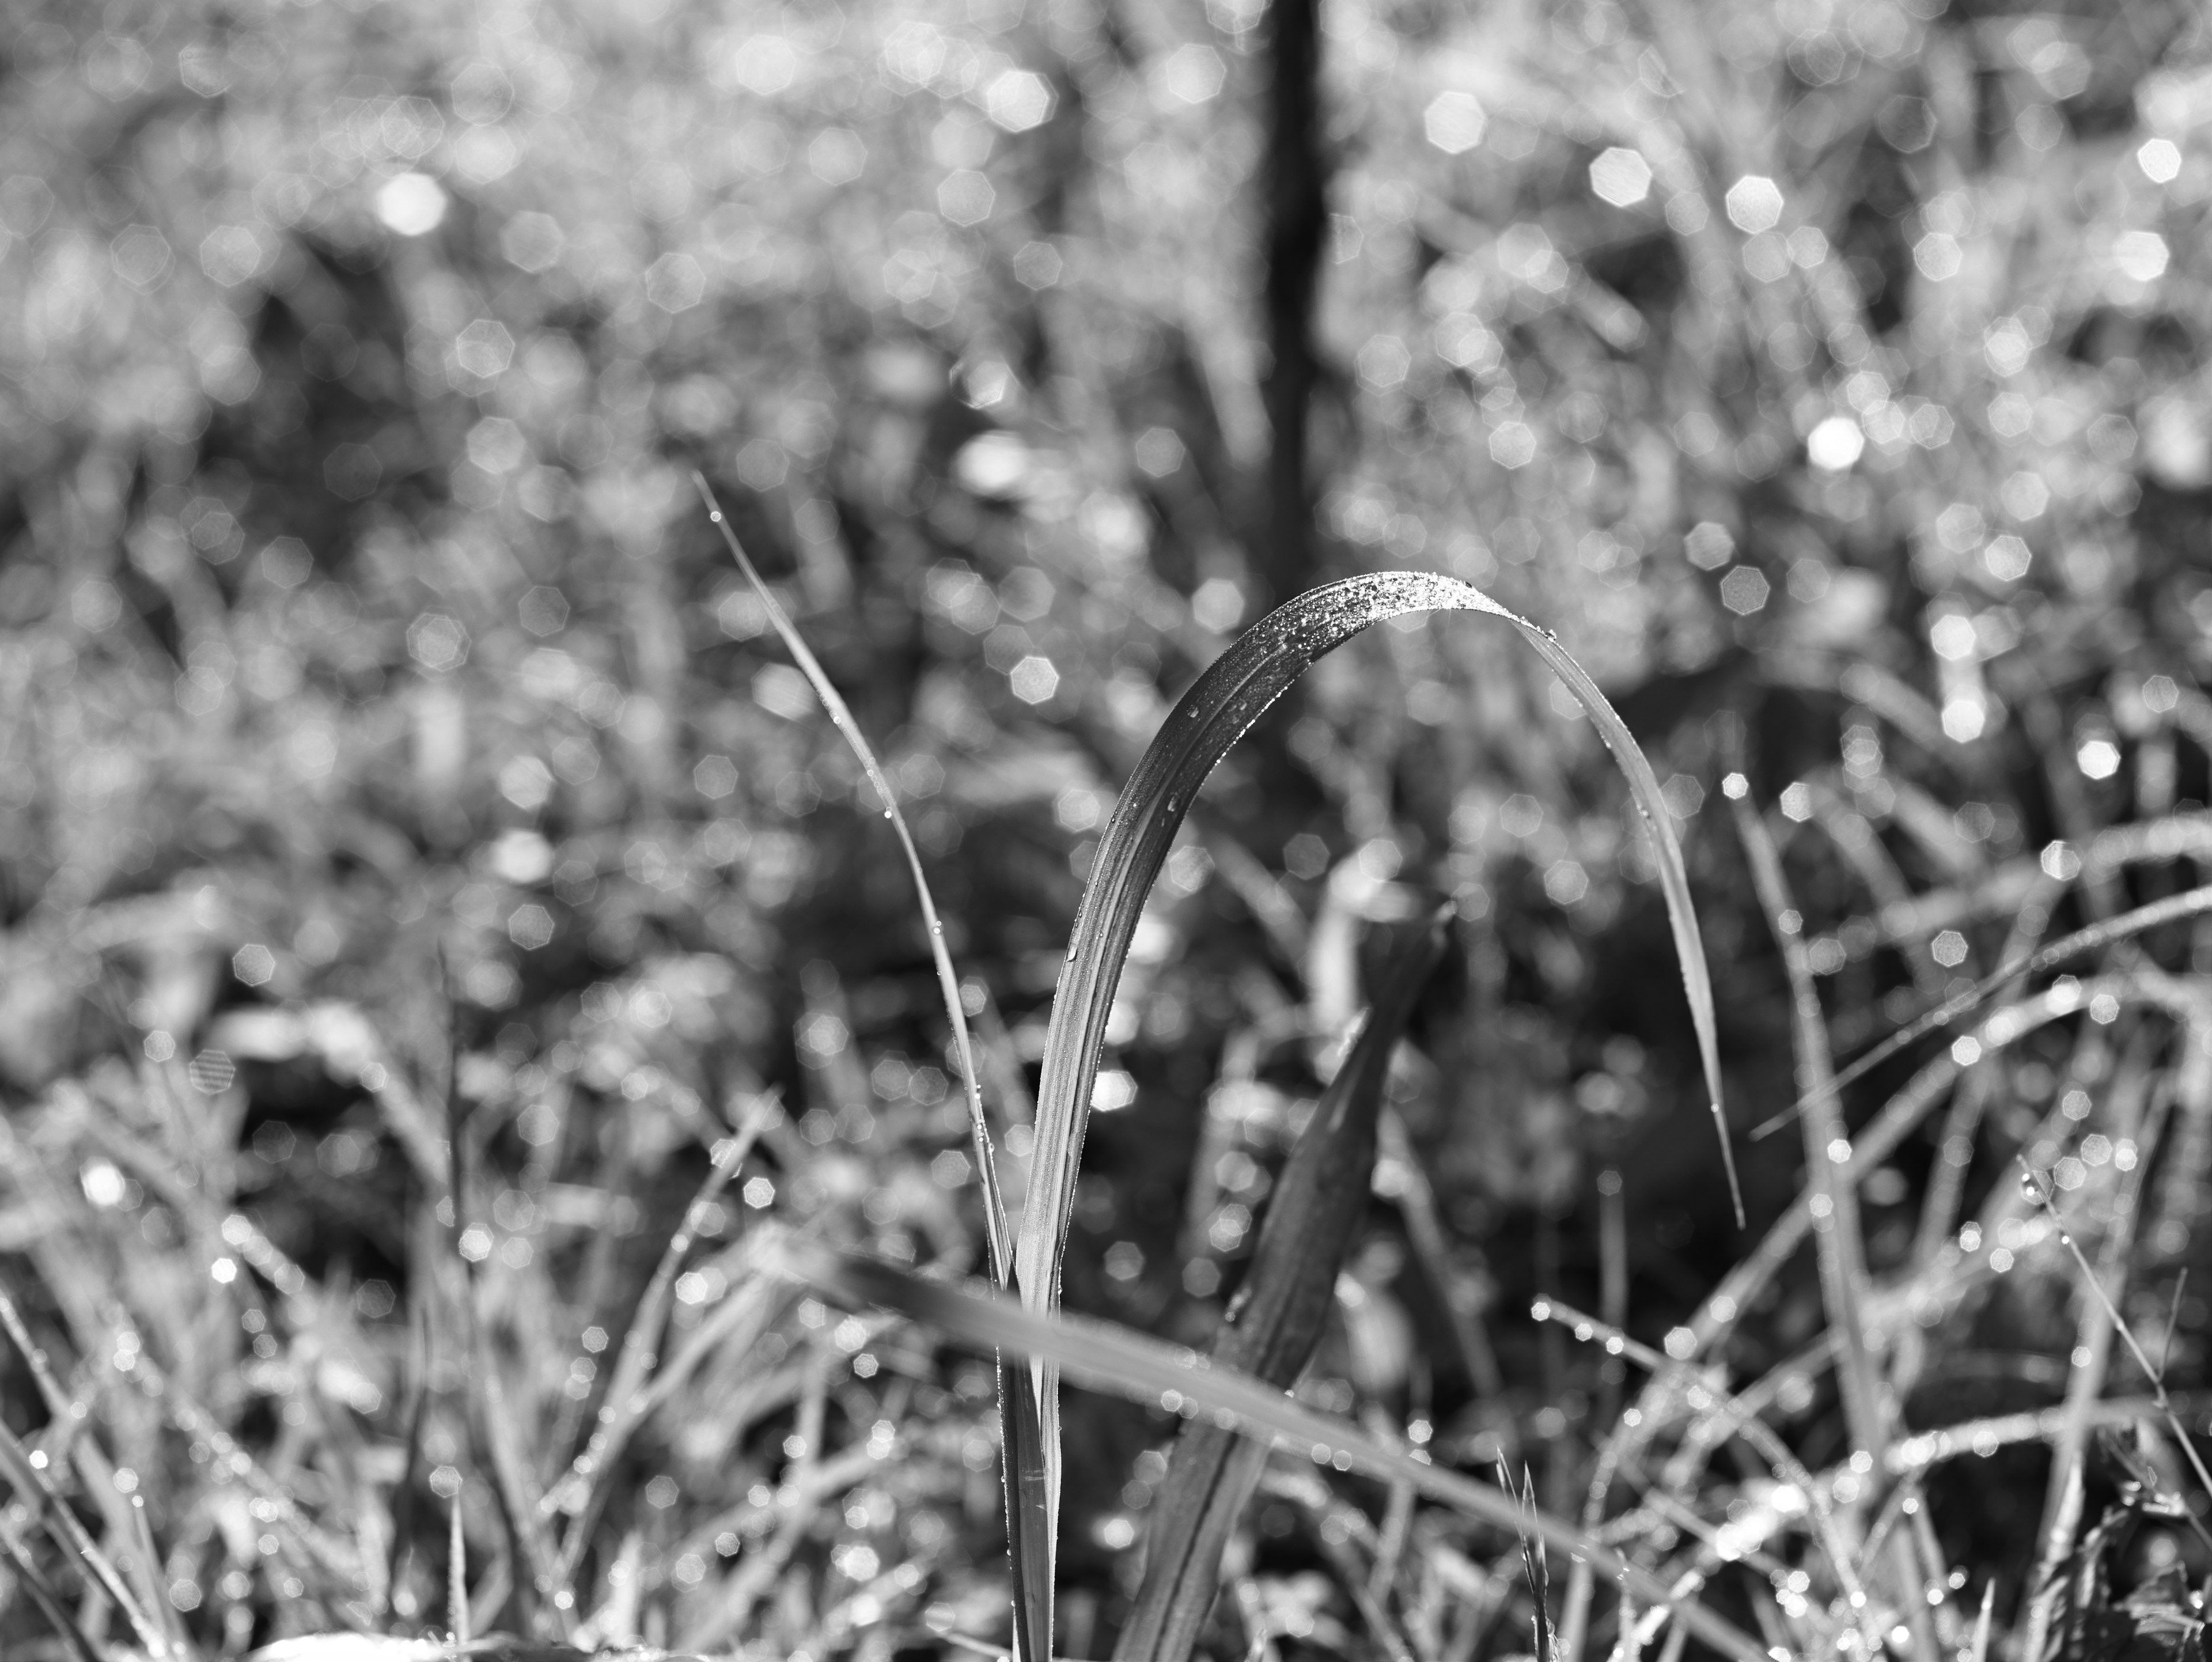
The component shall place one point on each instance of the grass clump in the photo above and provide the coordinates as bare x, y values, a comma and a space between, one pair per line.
495, 1159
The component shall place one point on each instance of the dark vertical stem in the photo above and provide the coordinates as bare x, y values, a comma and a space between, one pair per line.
1295, 175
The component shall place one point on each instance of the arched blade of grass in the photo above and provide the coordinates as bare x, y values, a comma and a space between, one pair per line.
1318, 1202
2192, 903
1144, 1369
1232, 694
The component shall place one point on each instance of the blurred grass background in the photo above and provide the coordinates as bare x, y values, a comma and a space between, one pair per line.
394, 766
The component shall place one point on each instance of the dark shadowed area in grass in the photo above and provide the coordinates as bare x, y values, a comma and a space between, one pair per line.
492, 1141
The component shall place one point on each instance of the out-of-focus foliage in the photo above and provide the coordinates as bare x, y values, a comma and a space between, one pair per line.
385, 739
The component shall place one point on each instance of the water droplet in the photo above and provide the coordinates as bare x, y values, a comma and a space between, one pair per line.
716, 516
2031, 1187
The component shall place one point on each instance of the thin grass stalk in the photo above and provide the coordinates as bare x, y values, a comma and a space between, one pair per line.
1947, 1180
1534, 1563
2038, 1187
1416, 1200
1029, 1451
1876, 1141
457, 1572
1629, 1647
1686, 1468
2194, 902
35, 1359
1144, 1369
417, 1422
1612, 1303
948, 982
582, 1490
2062, 1507
1954, 1153
1720, 1550
1943, 1612
757, 1568
530, 1546
1882, 1136
46, 1597
231, 1463
1337, 1550
54, 1515
1743, 1423
1834, 1205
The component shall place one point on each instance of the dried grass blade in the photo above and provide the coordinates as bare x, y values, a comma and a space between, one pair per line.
1218, 708
1144, 1369
1319, 1200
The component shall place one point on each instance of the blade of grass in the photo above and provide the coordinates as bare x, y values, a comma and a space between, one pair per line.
1741, 1421
417, 1421
2093, 1343
1141, 1368
457, 1572
493, 1425
2038, 1187
1839, 1240
45, 1502
1876, 1141
1533, 1564
1218, 708
948, 982
583, 1489
1980, 1649
46, 1597
1841, 1245
1416, 1200
1280, 1313
1027, 1451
